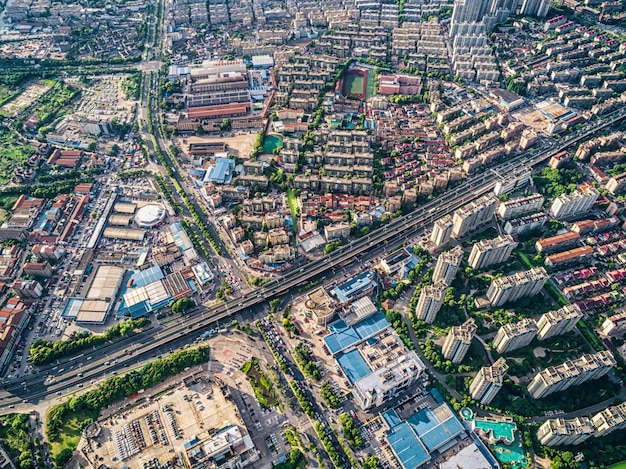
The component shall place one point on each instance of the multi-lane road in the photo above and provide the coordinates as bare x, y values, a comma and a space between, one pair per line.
116, 356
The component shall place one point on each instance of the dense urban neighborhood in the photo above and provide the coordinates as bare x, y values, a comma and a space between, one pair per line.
301, 233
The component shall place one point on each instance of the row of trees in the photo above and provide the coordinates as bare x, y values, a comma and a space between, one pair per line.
303, 400
43, 352
330, 396
278, 357
120, 387
302, 355
350, 431
328, 444
15, 439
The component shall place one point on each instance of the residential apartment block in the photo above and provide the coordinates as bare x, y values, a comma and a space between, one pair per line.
459, 340
515, 335
473, 215
614, 324
447, 265
558, 322
430, 302
488, 382
519, 285
520, 206
610, 419
491, 251
571, 373
574, 204
442, 231
616, 184
557, 432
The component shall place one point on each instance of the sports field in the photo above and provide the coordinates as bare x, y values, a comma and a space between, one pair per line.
355, 83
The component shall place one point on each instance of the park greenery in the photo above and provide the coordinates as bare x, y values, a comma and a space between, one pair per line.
65, 421
302, 355
329, 395
43, 352
554, 182
261, 384
14, 437
12, 154
350, 430
295, 460
55, 102
131, 85
182, 305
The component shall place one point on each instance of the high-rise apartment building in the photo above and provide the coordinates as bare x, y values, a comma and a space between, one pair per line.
488, 252
467, 14
558, 322
610, 419
473, 215
538, 8
571, 373
488, 381
576, 203
459, 340
430, 302
442, 230
519, 285
556, 432
515, 335
514, 208
447, 265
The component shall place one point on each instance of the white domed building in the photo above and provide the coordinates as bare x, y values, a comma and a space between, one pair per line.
150, 215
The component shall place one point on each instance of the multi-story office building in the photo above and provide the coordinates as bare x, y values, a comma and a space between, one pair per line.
448, 265
473, 215
558, 322
520, 206
574, 204
442, 230
459, 340
571, 373
488, 252
519, 285
515, 335
488, 382
556, 432
430, 302
538, 8
610, 419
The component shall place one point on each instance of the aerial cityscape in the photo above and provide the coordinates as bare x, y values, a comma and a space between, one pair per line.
378, 234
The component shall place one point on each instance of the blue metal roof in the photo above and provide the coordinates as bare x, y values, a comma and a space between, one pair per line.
407, 447
392, 419
353, 365
221, 171
144, 277
342, 336
433, 433
354, 286
341, 340
135, 311
371, 325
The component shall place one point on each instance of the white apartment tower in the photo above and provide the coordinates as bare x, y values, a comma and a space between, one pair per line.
558, 322
430, 302
491, 251
571, 373
488, 382
459, 340
557, 432
442, 229
515, 335
520, 206
538, 8
576, 203
473, 215
448, 265
610, 419
519, 285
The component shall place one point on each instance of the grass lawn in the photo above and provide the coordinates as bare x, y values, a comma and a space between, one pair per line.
271, 143
12, 155
69, 434
371, 84
354, 83
619, 465
293, 206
